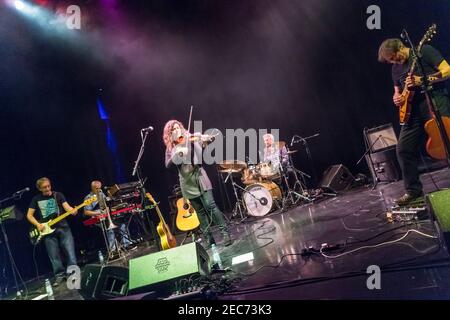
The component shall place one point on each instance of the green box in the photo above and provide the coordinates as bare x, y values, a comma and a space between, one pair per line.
440, 208
163, 268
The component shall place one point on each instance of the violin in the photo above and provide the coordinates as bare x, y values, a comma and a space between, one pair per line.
195, 137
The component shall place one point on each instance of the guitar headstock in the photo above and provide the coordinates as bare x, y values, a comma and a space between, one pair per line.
150, 197
428, 35
90, 200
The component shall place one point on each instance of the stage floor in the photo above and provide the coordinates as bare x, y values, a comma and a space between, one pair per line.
416, 267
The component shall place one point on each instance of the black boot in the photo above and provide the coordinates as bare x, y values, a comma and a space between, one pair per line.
227, 239
408, 198
208, 240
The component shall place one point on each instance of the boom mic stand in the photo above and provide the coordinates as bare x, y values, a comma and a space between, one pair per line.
427, 89
308, 153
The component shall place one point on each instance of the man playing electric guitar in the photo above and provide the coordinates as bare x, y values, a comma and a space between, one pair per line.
50, 204
412, 133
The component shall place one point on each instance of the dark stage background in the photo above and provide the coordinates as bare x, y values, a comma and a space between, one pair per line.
304, 67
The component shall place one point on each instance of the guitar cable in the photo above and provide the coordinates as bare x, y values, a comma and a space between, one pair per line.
36, 269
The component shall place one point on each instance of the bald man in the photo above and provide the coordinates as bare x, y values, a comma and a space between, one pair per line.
97, 208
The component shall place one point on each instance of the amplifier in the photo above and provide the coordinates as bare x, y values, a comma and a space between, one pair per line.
160, 271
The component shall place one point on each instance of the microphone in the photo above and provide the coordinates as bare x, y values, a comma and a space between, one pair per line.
148, 129
22, 191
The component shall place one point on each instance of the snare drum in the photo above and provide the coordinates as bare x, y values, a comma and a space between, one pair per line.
259, 198
250, 175
268, 171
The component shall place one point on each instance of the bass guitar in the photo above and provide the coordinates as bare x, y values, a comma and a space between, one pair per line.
167, 239
36, 235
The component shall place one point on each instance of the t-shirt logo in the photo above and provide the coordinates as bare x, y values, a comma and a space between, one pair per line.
48, 207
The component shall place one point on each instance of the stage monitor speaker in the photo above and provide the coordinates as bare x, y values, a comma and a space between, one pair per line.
439, 207
380, 138
385, 165
337, 178
159, 271
104, 282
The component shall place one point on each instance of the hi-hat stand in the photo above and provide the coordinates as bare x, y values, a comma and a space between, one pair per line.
238, 208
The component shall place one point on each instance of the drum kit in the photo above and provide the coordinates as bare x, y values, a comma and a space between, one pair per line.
264, 187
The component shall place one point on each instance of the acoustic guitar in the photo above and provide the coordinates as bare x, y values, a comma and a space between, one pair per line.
404, 110
187, 218
435, 146
167, 239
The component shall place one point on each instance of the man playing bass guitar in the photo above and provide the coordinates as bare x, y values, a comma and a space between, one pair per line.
48, 204
412, 133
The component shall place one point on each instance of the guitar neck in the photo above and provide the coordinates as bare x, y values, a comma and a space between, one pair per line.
65, 215
157, 208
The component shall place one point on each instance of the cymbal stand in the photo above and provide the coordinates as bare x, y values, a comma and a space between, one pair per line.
238, 207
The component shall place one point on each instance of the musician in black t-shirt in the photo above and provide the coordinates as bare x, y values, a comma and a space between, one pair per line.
412, 133
51, 204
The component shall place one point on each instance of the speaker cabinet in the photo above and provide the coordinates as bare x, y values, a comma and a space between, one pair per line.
160, 270
380, 138
385, 165
104, 282
337, 178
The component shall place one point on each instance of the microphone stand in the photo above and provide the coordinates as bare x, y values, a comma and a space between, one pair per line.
368, 150
141, 153
15, 196
308, 153
427, 89
137, 172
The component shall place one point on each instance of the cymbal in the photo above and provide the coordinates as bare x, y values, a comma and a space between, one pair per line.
230, 170
292, 151
232, 166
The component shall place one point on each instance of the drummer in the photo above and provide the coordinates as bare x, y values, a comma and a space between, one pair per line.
275, 153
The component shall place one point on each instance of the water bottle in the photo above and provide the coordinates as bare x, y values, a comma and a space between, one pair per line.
101, 260
216, 256
49, 290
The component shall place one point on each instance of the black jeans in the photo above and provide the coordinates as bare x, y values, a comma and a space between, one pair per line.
412, 136
207, 212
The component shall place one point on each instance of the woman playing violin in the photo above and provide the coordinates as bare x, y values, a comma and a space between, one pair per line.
184, 151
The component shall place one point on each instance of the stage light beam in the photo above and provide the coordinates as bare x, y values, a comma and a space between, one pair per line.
19, 5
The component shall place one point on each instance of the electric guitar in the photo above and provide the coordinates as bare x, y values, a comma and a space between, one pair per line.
405, 109
167, 239
187, 218
36, 235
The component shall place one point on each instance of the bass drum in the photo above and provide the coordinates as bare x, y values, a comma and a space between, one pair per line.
259, 198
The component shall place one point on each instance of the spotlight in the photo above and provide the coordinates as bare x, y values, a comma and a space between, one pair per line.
19, 5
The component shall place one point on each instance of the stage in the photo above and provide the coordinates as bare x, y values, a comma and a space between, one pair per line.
287, 262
